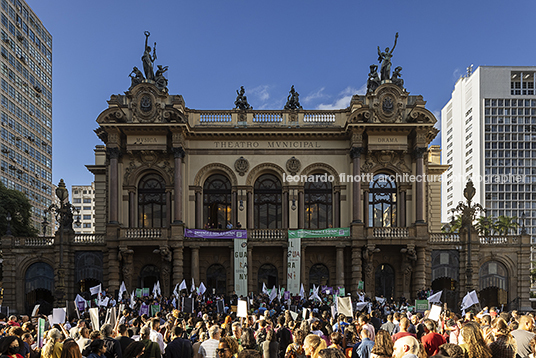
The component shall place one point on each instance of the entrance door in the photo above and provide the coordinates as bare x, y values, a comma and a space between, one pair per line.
39, 285
268, 275
493, 279
385, 281
149, 275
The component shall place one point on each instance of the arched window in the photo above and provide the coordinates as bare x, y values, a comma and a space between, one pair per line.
39, 287
318, 205
217, 279
385, 281
216, 202
493, 274
318, 275
268, 275
382, 201
267, 208
149, 275
152, 210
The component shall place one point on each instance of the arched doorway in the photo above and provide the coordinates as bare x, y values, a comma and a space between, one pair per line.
385, 281
382, 201
39, 285
268, 275
216, 202
152, 208
493, 282
318, 275
217, 279
445, 276
149, 275
88, 271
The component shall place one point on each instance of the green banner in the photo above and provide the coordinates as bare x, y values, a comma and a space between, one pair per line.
139, 292
361, 285
154, 310
313, 234
421, 305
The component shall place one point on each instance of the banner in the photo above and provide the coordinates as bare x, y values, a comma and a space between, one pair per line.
144, 309
139, 292
314, 234
294, 263
206, 234
40, 331
145, 292
241, 267
421, 305
154, 310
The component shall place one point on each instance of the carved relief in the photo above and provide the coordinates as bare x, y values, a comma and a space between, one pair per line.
315, 167
293, 166
254, 173
368, 164
203, 173
402, 162
148, 159
241, 166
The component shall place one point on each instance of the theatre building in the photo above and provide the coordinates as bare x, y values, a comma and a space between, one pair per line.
219, 196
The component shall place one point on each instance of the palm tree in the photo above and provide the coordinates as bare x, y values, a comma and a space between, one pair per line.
505, 224
484, 225
454, 226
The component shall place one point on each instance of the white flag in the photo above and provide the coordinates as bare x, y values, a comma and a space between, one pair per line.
175, 292
302, 291
360, 305
158, 290
132, 300
435, 298
380, 300
95, 289
264, 288
122, 290
361, 297
182, 286
79, 300
193, 286
273, 294
314, 295
470, 299
202, 288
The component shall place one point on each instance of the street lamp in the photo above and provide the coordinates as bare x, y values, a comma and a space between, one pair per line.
64, 216
469, 212
8, 218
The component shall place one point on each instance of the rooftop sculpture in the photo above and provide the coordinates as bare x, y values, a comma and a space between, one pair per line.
137, 77
384, 58
293, 100
241, 100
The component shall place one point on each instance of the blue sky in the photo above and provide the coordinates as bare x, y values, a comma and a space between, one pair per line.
323, 48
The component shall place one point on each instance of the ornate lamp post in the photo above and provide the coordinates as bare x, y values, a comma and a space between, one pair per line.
469, 212
64, 216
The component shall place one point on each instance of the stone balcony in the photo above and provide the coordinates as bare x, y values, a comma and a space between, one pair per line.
284, 118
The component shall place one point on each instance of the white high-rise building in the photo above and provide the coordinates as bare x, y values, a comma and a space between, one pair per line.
26, 107
489, 134
83, 200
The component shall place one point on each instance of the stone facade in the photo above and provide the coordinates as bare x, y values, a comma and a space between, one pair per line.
164, 168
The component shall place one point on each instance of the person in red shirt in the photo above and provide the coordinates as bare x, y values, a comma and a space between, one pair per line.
404, 325
431, 339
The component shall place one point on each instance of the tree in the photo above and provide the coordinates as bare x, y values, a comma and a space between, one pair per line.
484, 225
505, 224
17, 204
454, 225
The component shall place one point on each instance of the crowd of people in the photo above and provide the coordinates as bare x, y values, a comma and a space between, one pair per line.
274, 330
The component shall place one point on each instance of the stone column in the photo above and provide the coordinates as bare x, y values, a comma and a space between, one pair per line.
336, 208
195, 264
178, 261
301, 208
402, 206
250, 221
340, 267
178, 154
132, 222
355, 154
419, 185
234, 208
304, 278
198, 209
168, 205
284, 211
250, 269
419, 280
114, 154
113, 269
366, 207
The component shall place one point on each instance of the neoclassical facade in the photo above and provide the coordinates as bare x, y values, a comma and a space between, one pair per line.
164, 170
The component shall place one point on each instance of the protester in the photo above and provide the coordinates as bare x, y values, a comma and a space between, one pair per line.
227, 347
134, 350
270, 347
70, 350
208, 347
472, 341
523, 335
312, 345
406, 347
178, 347
383, 345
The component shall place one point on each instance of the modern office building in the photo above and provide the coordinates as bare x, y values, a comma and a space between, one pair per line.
489, 134
83, 202
26, 106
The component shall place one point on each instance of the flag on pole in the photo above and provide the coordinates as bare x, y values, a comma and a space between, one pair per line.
80, 303
264, 288
193, 286
315, 294
175, 292
302, 292
470, 299
122, 290
361, 297
132, 301
158, 290
95, 289
182, 286
202, 288
435, 298
273, 294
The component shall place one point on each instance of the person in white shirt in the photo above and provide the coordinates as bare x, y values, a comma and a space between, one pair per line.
155, 335
208, 348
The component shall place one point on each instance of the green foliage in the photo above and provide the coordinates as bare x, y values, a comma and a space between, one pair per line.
502, 225
454, 226
17, 204
505, 225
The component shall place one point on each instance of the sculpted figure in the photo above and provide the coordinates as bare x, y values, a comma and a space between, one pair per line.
161, 81
373, 81
241, 100
136, 77
293, 101
385, 59
147, 59
396, 77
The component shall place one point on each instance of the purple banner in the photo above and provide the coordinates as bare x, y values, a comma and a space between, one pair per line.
208, 234
144, 309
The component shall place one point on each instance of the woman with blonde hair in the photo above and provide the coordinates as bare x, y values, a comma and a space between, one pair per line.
53, 347
383, 345
312, 345
472, 341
